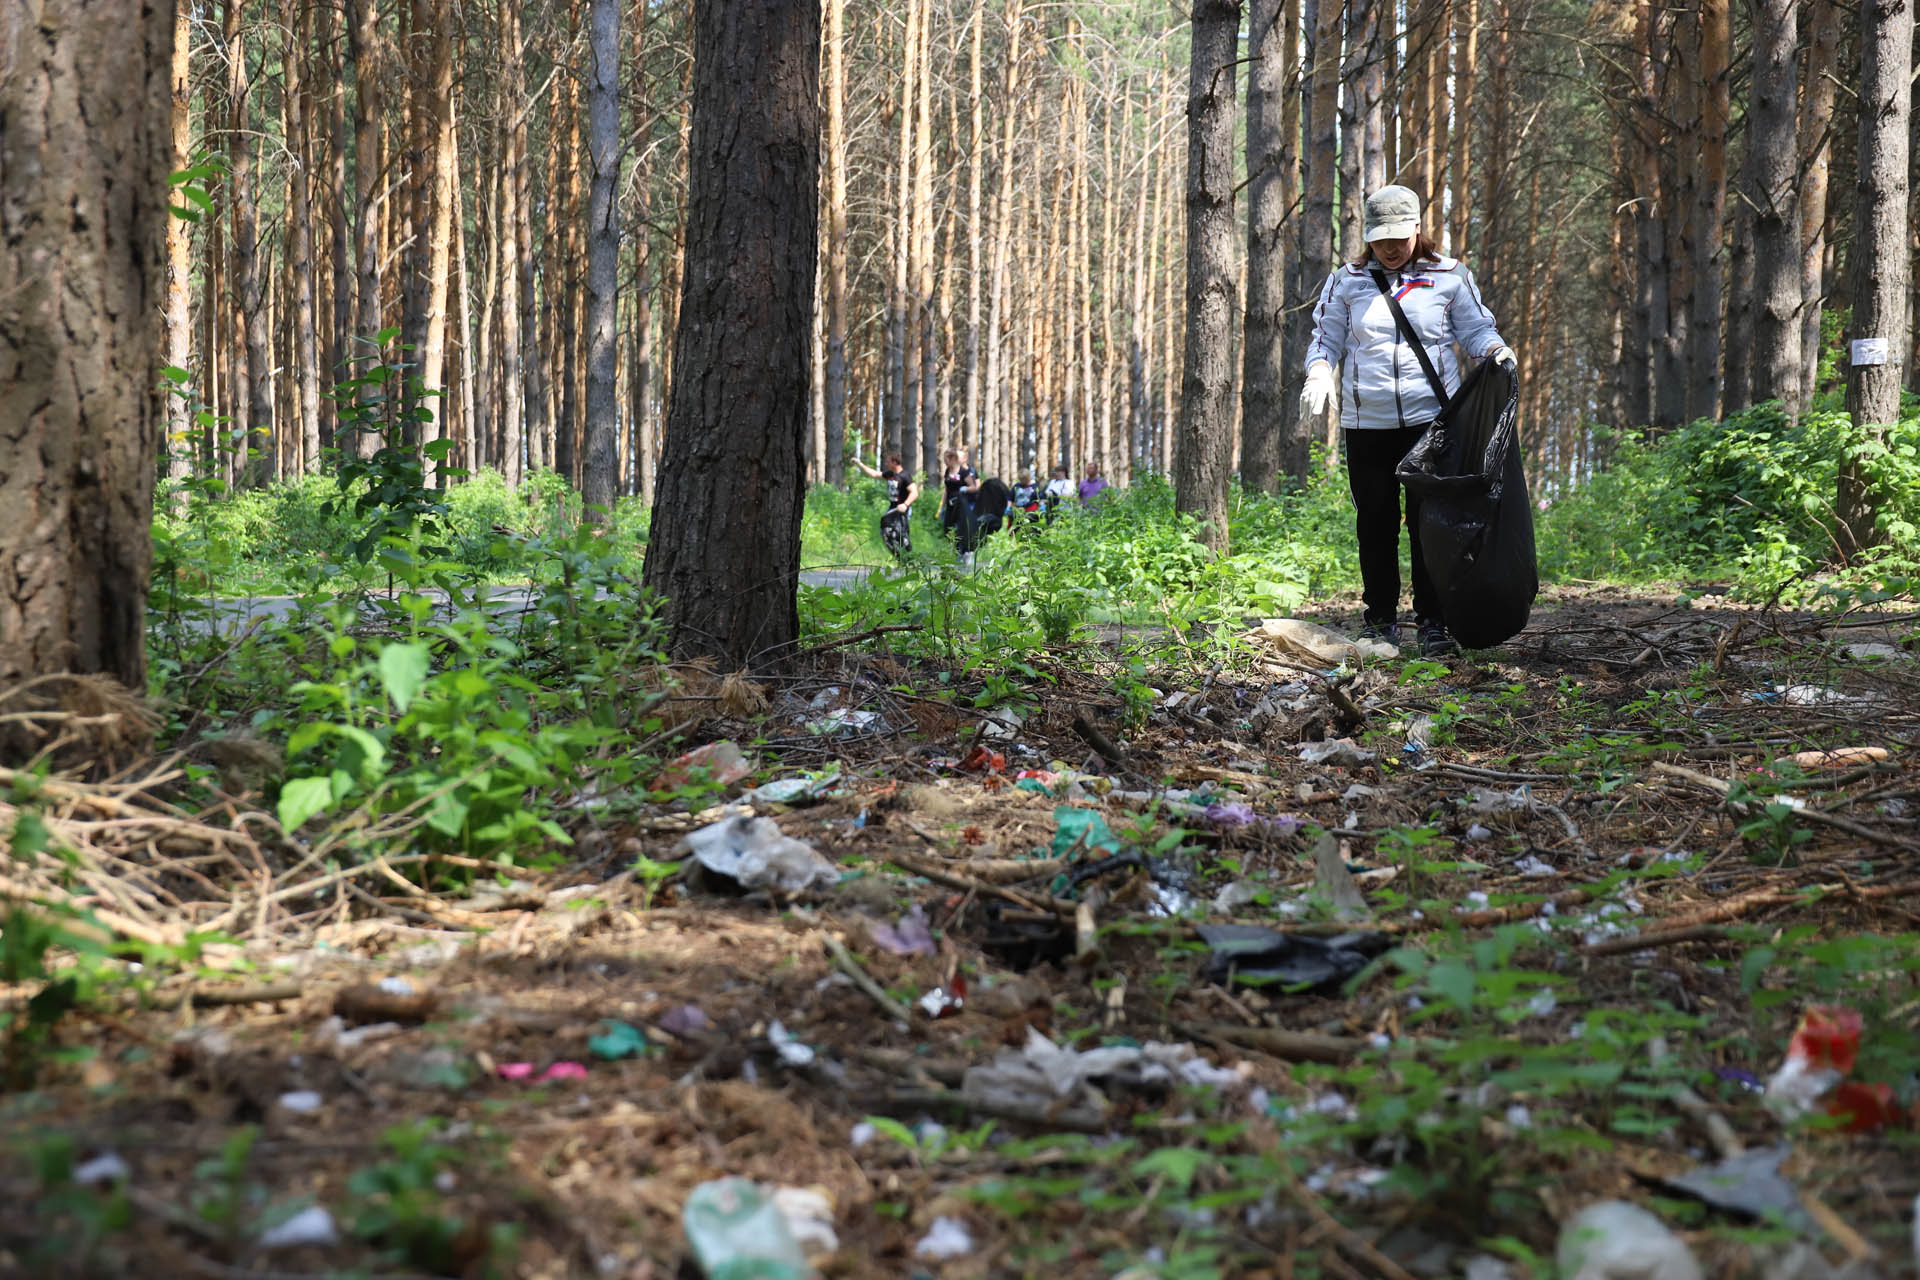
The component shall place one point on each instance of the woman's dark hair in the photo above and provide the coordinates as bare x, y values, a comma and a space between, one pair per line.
1423, 248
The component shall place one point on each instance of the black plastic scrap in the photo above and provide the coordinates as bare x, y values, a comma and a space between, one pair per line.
1252, 955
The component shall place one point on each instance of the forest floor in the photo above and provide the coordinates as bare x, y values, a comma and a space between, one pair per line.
1595, 953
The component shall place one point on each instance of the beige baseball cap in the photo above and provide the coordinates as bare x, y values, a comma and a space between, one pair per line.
1393, 213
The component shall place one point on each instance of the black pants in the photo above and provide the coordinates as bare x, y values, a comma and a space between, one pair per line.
1371, 457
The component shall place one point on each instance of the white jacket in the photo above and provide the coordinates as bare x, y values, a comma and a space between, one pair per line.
1381, 385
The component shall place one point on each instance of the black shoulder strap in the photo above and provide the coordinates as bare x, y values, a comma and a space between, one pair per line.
1406, 331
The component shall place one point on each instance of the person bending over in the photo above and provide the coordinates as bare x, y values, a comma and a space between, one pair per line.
896, 522
1386, 401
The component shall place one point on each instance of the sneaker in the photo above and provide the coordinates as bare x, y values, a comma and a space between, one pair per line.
1386, 632
1435, 641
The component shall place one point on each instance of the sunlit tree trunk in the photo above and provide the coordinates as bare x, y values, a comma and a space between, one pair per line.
837, 245
1270, 164
1316, 227
1881, 265
1816, 127
506, 253
85, 141
998, 392
1466, 51
1203, 458
252, 379
601, 473
1776, 222
306, 353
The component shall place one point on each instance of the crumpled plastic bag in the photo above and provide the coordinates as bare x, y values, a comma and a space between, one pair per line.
1614, 1240
1297, 642
1253, 954
1341, 751
723, 761
755, 854
1041, 1072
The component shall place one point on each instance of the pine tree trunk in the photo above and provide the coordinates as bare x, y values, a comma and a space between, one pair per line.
837, 245
998, 391
724, 552
84, 126
1709, 205
253, 380
1270, 162
179, 313
1466, 41
1736, 357
1881, 266
1203, 457
602, 478
1816, 127
368, 170
929, 429
339, 210
1316, 255
306, 353
505, 256
441, 201
1776, 221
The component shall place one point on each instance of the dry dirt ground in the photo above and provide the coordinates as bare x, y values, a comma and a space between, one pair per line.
759, 1055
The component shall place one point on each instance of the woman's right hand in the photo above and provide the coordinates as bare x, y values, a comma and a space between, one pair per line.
1318, 393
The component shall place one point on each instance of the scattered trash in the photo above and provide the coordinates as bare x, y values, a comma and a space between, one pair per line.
723, 762
1477, 832
1231, 814
556, 1071
370, 1002
861, 1134
334, 1035
311, 1226
1488, 801
947, 1238
911, 937
843, 721
1532, 866
1084, 829
1232, 897
440, 1069
1820, 1057
801, 790
1839, 758
1614, 1240
945, 1001
1332, 881
619, 1040
103, 1168
1037, 781
1750, 1184
808, 1212
396, 986
1419, 736
301, 1101
1000, 723
1338, 751
735, 1229
1042, 1073
982, 760
1253, 955
1736, 1076
791, 1050
684, 1020
1359, 791
1296, 642
1874, 649
1484, 1266
755, 854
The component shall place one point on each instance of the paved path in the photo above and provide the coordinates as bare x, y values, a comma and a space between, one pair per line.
233, 613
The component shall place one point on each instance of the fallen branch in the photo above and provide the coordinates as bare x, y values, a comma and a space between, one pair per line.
840, 642
843, 961
1090, 733
1073, 1119
219, 997
955, 881
1658, 938
1296, 1046
1722, 788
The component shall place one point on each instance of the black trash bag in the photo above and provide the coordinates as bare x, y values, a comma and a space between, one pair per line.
986, 512
1253, 955
1476, 521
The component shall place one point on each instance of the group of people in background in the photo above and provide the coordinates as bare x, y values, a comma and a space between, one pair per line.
971, 507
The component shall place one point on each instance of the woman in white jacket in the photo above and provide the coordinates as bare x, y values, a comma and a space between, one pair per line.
1386, 401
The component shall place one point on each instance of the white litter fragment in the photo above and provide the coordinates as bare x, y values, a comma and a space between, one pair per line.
1477, 832
947, 1238
1531, 866
105, 1167
1614, 1240
1518, 1117
754, 853
1359, 791
1873, 649
1042, 1072
809, 1215
1488, 801
1234, 896
1542, 1003
302, 1101
396, 986
334, 1034
861, 1135
1339, 751
310, 1226
1297, 642
791, 1050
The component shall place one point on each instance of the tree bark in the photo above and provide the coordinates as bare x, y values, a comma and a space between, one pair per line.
85, 139
253, 382
724, 551
1270, 163
837, 246
441, 201
1709, 206
1316, 254
177, 448
505, 255
306, 352
1203, 456
1816, 144
1880, 266
1776, 222
368, 170
601, 474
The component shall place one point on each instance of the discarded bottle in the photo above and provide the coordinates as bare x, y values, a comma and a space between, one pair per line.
737, 1233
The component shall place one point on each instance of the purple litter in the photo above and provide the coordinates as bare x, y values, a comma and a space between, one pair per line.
912, 937
1230, 815
684, 1020
1745, 1079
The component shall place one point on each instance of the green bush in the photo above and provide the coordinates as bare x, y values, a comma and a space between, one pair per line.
1750, 499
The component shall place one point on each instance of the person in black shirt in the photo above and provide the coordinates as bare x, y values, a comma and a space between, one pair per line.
896, 527
960, 482
1026, 499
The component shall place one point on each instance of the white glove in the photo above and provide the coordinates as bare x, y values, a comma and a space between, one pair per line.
1503, 356
1318, 393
